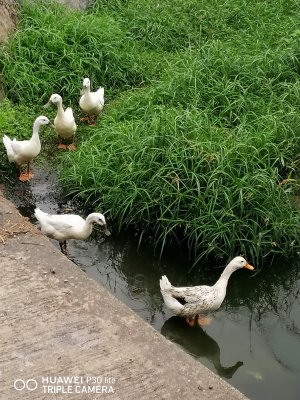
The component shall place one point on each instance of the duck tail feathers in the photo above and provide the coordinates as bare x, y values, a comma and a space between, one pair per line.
100, 91
100, 95
8, 146
165, 284
39, 214
69, 112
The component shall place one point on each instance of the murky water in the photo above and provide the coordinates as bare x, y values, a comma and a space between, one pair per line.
254, 338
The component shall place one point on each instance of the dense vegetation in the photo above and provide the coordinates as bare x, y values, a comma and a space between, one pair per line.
199, 141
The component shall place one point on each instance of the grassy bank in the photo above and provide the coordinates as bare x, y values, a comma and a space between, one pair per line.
199, 140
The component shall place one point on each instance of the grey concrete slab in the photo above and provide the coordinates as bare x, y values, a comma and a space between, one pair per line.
57, 322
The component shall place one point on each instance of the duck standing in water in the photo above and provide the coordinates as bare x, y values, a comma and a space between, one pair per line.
64, 122
24, 151
195, 302
68, 226
91, 103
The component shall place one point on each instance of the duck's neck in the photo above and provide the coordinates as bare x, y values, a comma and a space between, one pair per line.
60, 110
88, 226
35, 131
223, 280
86, 90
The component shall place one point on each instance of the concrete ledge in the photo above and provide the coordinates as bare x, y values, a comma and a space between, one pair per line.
63, 324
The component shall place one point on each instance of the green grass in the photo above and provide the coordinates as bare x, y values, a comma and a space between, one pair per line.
54, 49
199, 141
171, 175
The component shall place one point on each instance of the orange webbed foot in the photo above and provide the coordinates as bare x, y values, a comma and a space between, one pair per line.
204, 321
191, 321
25, 177
62, 146
72, 146
197, 320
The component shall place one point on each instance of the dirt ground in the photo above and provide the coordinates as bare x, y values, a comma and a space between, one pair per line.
8, 19
8, 10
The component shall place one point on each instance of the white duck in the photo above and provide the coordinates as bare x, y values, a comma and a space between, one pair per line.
68, 226
64, 122
91, 102
195, 301
24, 151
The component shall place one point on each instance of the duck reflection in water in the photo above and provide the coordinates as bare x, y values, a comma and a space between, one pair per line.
198, 343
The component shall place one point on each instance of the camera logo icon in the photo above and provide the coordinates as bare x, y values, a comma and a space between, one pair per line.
30, 384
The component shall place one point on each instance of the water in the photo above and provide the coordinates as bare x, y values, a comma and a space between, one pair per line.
253, 340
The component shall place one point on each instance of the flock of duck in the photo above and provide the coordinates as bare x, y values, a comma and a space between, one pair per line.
191, 303
24, 151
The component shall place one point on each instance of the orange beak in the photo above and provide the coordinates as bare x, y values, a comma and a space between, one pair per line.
248, 266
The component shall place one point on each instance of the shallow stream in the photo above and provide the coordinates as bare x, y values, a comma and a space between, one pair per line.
253, 340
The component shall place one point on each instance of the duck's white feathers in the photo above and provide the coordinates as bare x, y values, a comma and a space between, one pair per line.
92, 102
8, 146
23, 151
69, 112
69, 226
64, 122
64, 226
199, 300
190, 301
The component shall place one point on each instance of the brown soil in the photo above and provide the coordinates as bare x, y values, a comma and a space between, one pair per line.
12, 223
8, 19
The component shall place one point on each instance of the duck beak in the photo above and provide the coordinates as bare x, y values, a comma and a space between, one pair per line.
47, 104
248, 266
106, 231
